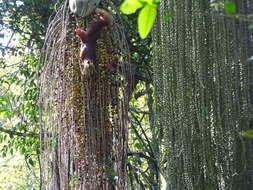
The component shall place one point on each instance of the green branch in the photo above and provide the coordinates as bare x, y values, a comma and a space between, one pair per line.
12, 132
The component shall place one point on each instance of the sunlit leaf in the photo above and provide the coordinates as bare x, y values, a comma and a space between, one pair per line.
230, 7
3, 115
130, 6
149, 2
248, 134
146, 20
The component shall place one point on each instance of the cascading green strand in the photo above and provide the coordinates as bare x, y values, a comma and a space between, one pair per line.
201, 77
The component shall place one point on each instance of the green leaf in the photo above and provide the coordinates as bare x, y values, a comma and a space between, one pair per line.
138, 146
248, 134
230, 7
112, 173
31, 162
251, 26
11, 151
149, 2
146, 20
23, 150
130, 159
130, 6
167, 17
3, 115
3, 154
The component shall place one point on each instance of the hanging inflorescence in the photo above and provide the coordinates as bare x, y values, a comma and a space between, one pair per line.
201, 76
83, 118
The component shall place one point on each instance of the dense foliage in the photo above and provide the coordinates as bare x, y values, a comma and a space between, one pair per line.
22, 29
